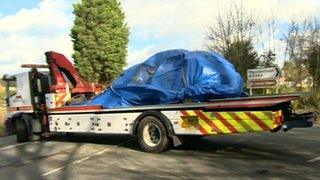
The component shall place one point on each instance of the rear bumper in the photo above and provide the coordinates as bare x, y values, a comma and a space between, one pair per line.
300, 121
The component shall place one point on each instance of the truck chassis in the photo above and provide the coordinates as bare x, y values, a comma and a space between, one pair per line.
158, 125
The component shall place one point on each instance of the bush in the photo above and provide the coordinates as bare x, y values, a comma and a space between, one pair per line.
308, 101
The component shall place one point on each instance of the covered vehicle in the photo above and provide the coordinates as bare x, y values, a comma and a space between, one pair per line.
173, 76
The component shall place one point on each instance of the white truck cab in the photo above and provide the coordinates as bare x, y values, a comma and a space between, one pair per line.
23, 94
18, 93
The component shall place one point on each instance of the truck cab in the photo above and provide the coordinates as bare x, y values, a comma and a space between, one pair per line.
28, 91
24, 94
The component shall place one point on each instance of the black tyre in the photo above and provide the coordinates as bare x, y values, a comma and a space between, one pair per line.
152, 135
21, 131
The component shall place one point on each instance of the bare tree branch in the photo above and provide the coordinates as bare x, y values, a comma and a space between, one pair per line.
232, 24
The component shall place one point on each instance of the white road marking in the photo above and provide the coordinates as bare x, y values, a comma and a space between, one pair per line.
16, 145
83, 159
77, 161
314, 160
101, 152
55, 170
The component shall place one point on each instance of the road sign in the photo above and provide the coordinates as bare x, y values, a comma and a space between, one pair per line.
264, 73
262, 84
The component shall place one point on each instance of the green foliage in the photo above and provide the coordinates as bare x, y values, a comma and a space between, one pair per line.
314, 67
1, 92
303, 49
1, 95
268, 59
2, 129
243, 56
2, 109
295, 72
100, 36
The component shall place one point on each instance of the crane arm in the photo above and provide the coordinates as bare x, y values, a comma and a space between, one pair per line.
65, 76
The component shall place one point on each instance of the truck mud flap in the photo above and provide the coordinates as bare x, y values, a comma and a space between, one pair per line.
300, 121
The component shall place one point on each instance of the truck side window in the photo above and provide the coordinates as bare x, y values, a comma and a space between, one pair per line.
12, 88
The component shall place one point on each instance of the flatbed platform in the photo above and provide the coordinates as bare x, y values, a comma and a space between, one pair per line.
253, 102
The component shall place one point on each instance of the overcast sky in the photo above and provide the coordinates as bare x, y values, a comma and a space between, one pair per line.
28, 28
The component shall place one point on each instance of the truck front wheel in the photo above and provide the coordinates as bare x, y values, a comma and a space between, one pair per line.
21, 131
152, 135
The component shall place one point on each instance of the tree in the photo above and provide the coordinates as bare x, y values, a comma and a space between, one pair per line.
234, 25
313, 56
291, 69
1, 92
268, 59
242, 55
100, 36
232, 35
303, 43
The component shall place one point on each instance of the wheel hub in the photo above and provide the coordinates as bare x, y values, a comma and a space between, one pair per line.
152, 134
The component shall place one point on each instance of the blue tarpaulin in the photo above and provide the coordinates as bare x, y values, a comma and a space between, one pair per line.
172, 77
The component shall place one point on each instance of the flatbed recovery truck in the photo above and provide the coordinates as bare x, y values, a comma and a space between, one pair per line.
39, 107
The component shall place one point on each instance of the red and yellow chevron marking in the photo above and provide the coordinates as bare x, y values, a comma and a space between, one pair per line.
230, 122
62, 98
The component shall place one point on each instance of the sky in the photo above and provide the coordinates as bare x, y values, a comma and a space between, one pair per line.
28, 28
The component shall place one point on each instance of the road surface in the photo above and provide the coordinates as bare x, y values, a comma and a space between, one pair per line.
291, 155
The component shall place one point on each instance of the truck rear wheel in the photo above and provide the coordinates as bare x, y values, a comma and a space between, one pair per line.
21, 131
152, 135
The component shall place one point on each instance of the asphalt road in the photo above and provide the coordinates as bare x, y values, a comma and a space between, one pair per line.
291, 155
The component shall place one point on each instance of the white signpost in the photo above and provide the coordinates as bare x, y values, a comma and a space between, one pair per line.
263, 78
263, 74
